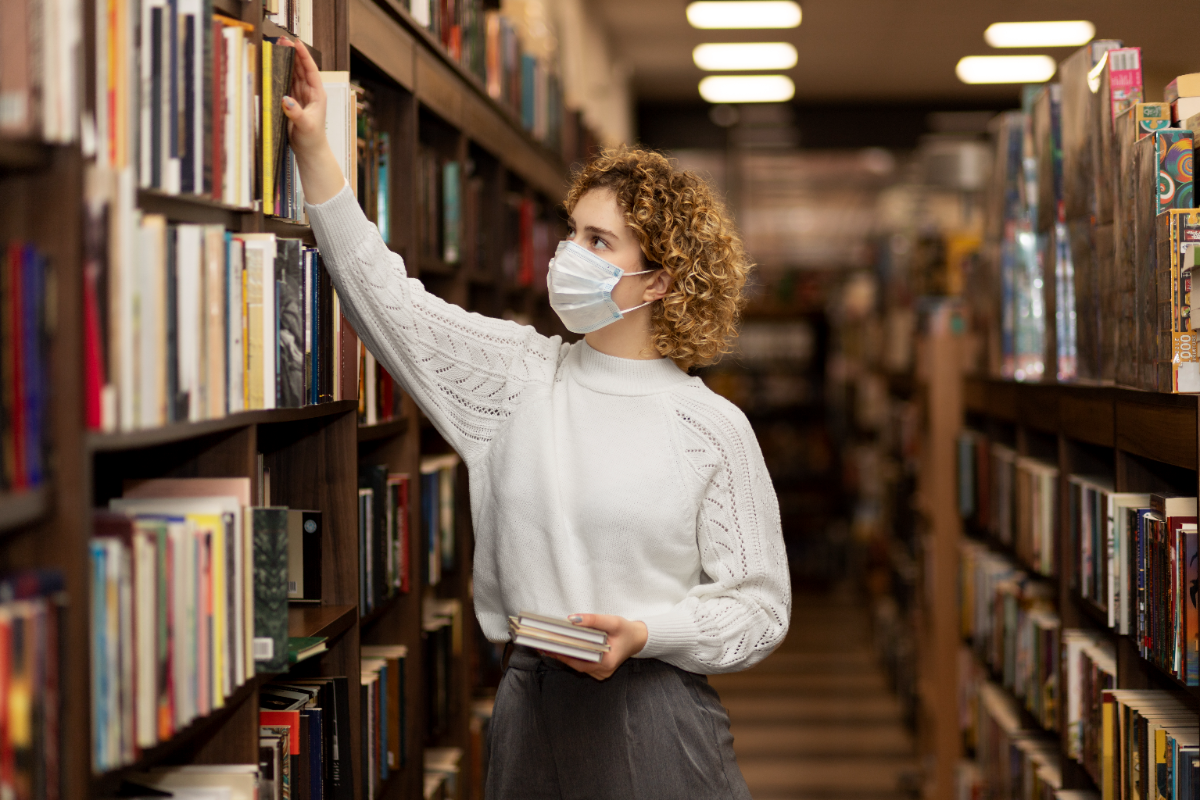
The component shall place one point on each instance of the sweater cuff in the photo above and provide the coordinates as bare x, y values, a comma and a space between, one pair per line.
339, 224
670, 634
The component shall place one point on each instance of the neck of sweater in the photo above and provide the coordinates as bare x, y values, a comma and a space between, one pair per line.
624, 376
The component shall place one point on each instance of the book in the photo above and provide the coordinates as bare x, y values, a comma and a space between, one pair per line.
1183, 86
305, 534
301, 647
571, 646
562, 627
395, 714
270, 536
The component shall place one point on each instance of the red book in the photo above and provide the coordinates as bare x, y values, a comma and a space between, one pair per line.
348, 353
93, 364
387, 396
289, 718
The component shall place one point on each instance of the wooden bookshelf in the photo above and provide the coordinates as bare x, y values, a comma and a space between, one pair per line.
313, 453
1143, 441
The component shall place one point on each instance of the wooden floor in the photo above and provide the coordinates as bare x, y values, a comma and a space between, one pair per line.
815, 720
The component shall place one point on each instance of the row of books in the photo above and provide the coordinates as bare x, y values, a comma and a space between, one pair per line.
1088, 221
373, 157
1136, 563
1090, 667
191, 102
439, 206
439, 501
302, 752
203, 322
489, 45
1012, 624
190, 590
1150, 747
379, 396
24, 365
383, 535
40, 95
294, 15
1011, 497
1015, 760
384, 715
32, 647
442, 626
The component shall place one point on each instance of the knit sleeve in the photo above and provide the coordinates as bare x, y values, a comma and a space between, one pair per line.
467, 372
741, 613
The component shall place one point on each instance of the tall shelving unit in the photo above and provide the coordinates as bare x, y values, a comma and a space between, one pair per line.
1140, 441
314, 453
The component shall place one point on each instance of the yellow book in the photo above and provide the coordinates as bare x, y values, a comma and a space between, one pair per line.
254, 323
268, 129
217, 593
1108, 787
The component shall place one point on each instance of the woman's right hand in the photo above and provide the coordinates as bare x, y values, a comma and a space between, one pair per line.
305, 109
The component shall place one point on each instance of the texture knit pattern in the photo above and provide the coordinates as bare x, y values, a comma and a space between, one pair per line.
598, 484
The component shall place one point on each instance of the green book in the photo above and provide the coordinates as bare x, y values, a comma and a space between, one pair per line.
270, 531
302, 647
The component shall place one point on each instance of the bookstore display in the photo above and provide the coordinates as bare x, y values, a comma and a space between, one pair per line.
257, 544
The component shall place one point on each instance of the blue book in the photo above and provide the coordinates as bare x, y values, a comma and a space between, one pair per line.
316, 751
528, 91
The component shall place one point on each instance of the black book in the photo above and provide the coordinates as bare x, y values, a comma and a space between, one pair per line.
374, 477
281, 82
304, 556
325, 347
171, 99
156, 96
177, 401
314, 752
187, 145
290, 363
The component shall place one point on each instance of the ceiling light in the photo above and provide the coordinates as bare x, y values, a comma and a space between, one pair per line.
1039, 34
747, 88
1005, 69
727, 57
709, 14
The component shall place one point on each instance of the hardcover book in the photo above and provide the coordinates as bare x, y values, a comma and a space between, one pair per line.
304, 556
270, 532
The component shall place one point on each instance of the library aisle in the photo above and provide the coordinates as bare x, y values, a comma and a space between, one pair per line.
817, 720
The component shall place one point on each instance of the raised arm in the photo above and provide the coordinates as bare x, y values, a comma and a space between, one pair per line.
742, 613
466, 371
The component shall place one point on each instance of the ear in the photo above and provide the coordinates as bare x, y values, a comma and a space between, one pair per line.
657, 286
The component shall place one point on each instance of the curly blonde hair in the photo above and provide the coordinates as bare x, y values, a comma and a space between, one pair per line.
684, 228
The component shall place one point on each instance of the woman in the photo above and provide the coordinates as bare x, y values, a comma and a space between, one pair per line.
606, 484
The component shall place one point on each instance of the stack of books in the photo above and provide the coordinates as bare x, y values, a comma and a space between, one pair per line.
559, 636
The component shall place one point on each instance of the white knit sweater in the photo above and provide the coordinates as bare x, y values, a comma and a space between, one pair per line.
598, 484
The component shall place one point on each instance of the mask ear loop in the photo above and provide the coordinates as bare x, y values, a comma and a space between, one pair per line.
643, 305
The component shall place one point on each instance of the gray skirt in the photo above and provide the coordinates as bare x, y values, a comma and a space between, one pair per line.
650, 731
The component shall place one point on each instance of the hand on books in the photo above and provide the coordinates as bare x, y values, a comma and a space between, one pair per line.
305, 110
626, 637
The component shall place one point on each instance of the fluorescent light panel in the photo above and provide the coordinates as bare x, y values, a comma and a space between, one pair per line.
1066, 33
729, 57
747, 88
1005, 69
724, 14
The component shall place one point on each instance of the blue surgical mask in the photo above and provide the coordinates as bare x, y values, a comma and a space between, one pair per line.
581, 285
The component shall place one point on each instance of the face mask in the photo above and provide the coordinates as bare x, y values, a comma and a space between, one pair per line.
581, 285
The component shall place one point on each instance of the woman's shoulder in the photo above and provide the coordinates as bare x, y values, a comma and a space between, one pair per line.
699, 406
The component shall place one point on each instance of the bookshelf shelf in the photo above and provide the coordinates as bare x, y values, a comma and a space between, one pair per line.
198, 732
21, 509
383, 430
327, 621
289, 230
19, 154
154, 437
191, 208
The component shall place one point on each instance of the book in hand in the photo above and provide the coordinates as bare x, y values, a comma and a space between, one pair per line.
567, 639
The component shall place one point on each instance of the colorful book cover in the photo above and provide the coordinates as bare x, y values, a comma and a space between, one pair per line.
1173, 149
1124, 78
1191, 624
1151, 117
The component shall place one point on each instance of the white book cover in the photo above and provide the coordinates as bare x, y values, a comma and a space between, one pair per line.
236, 321
233, 49
270, 331
187, 320
146, 635
338, 112
212, 385
250, 126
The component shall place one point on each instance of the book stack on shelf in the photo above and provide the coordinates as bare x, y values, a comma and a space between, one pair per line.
1051, 647
167, 322
1090, 206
